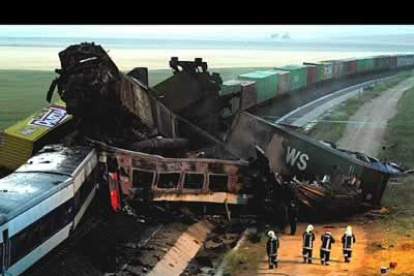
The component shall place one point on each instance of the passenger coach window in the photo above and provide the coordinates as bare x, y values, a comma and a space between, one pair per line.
193, 181
218, 183
142, 179
168, 180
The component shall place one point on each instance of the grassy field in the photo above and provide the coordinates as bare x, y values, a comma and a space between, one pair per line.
400, 132
333, 131
23, 92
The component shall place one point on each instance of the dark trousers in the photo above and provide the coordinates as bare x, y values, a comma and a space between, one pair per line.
292, 227
348, 254
272, 261
307, 255
325, 256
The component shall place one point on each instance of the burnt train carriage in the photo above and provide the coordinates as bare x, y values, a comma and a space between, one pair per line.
42, 202
151, 177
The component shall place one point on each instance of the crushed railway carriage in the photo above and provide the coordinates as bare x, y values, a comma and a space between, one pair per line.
292, 154
42, 202
191, 179
21, 140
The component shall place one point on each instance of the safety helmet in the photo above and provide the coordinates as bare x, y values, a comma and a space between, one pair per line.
271, 234
309, 228
348, 230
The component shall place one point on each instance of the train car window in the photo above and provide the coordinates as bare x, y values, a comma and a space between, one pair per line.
86, 188
141, 179
38, 232
168, 180
193, 181
218, 182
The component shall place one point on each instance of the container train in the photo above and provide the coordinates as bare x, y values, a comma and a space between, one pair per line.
42, 203
260, 86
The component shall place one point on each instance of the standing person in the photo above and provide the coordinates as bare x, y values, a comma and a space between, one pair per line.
348, 240
293, 216
327, 241
308, 239
272, 247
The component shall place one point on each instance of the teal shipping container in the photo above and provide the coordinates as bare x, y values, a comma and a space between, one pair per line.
298, 75
266, 83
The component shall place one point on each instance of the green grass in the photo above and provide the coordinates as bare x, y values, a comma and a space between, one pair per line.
23, 92
240, 261
330, 131
400, 133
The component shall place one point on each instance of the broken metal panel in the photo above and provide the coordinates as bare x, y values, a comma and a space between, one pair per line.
217, 197
140, 74
136, 100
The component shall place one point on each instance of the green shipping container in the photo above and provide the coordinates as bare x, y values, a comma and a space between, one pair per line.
298, 75
266, 83
361, 65
230, 86
369, 64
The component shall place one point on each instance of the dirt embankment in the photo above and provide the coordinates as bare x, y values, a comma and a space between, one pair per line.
367, 137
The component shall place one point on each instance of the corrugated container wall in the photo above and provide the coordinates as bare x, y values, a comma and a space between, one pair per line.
369, 64
266, 83
284, 82
401, 61
393, 61
361, 65
249, 94
297, 75
327, 70
319, 70
311, 74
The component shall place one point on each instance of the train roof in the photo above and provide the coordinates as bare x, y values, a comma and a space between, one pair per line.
49, 171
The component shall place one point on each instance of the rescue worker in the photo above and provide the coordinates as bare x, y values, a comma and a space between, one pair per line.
348, 240
308, 239
272, 247
327, 241
293, 216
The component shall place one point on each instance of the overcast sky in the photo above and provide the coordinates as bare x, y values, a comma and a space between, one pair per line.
219, 32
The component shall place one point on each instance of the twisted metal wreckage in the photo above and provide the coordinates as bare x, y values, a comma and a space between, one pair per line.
174, 142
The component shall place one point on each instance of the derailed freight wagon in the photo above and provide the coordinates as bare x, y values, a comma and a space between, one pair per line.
354, 176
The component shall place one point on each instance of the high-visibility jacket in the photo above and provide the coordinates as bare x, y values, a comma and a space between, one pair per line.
272, 246
308, 238
348, 240
327, 241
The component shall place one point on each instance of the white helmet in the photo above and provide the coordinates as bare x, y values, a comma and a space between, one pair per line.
271, 234
348, 230
309, 228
